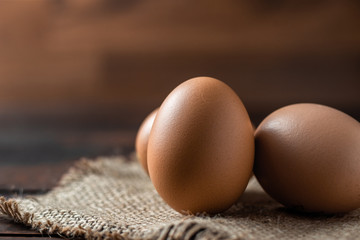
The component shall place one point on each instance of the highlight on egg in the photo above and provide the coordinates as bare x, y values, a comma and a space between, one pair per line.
142, 139
201, 147
308, 158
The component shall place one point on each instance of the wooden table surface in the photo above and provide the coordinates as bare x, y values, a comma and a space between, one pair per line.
32, 160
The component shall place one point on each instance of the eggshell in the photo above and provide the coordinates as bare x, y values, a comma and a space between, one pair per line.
142, 139
308, 158
201, 147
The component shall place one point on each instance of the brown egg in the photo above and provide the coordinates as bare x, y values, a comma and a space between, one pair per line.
201, 147
142, 139
308, 158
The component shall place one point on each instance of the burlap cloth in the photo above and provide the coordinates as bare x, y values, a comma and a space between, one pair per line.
114, 198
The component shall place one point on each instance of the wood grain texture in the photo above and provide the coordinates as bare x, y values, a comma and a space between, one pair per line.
8, 228
118, 61
35, 159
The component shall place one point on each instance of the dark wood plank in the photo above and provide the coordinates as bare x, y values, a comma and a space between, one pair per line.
21, 237
27, 144
19, 180
34, 162
10, 229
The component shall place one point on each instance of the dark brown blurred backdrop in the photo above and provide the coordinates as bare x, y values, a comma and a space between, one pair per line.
70, 64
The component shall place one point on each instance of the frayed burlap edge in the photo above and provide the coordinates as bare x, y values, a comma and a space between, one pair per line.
188, 230
182, 230
11, 209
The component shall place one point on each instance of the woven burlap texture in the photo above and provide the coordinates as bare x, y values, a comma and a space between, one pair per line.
112, 198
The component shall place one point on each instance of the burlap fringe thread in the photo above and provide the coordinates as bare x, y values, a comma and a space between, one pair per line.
112, 198
183, 230
190, 230
11, 209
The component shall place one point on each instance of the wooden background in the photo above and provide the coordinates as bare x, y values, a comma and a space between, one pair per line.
117, 60
86, 73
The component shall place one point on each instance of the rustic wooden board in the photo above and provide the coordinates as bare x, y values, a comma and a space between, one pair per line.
9, 229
